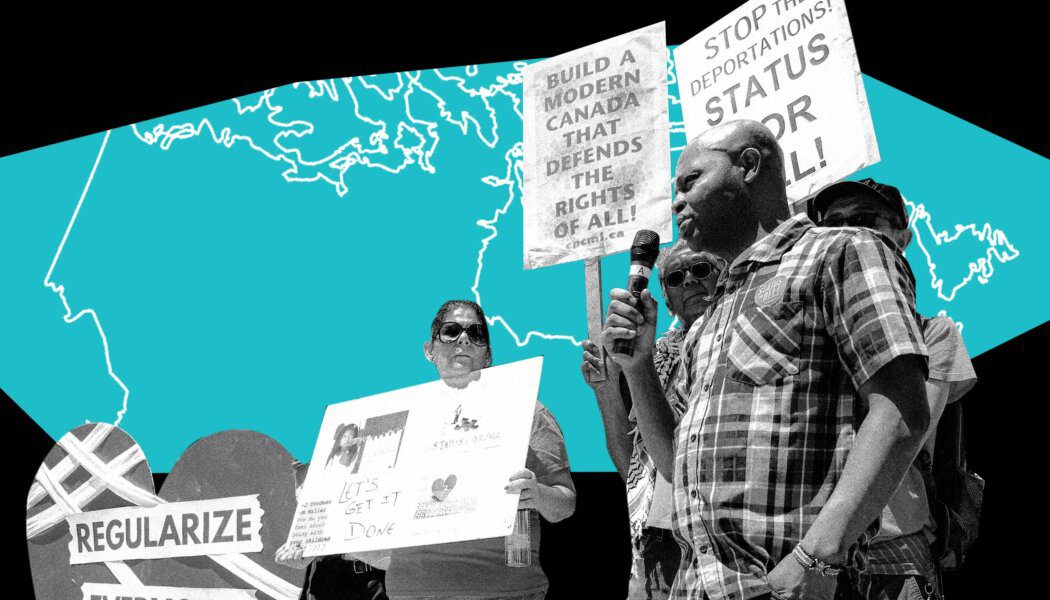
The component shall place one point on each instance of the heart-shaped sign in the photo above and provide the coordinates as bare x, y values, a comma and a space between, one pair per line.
441, 488
212, 532
225, 465
93, 467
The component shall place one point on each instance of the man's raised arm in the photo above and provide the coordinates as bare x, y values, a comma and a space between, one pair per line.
611, 405
635, 319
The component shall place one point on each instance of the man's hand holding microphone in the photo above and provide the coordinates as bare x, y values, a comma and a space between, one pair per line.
628, 336
630, 325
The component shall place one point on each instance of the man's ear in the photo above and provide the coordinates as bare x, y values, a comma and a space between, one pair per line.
428, 350
751, 162
488, 358
904, 238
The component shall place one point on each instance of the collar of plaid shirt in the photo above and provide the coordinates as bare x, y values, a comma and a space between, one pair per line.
772, 246
770, 378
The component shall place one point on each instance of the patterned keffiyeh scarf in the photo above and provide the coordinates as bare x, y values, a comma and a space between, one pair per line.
642, 474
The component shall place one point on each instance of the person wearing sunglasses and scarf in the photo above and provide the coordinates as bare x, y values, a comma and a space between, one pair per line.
459, 348
687, 279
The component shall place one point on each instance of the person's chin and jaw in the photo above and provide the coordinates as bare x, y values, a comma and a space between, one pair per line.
458, 365
693, 302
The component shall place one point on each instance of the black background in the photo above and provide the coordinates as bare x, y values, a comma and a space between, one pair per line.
64, 76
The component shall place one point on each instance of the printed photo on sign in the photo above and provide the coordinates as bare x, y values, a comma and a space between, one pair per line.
346, 451
372, 448
442, 502
383, 435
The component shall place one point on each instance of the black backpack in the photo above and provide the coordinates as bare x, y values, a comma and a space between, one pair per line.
955, 493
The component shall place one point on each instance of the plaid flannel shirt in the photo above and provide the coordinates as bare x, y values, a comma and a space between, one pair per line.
803, 318
642, 473
904, 555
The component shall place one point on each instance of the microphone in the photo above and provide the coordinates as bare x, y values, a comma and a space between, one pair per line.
644, 250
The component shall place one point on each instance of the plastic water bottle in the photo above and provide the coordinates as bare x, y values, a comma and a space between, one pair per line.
519, 542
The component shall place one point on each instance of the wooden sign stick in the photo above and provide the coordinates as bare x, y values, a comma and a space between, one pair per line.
595, 315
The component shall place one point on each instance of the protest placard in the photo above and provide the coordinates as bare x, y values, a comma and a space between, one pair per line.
117, 591
227, 503
597, 143
420, 465
198, 528
790, 64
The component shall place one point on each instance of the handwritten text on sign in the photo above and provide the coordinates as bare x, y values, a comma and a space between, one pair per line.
790, 64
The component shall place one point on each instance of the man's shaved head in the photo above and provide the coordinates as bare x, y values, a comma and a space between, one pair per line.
735, 136
729, 187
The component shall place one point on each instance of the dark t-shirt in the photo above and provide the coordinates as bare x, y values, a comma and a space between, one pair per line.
479, 567
336, 578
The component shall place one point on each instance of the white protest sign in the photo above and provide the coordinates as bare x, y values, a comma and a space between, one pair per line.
197, 528
116, 591
597, 147
420, 465
790, 64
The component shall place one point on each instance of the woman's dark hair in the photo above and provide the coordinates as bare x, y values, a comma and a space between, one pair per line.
451, 305
339, 431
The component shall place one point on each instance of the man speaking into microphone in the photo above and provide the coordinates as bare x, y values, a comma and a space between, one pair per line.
804, 382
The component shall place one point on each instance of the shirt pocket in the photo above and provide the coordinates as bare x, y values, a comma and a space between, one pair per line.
766, 344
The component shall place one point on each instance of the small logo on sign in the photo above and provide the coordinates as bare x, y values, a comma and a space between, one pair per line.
771, 291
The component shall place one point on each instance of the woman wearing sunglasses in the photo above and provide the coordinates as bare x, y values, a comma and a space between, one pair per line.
459, 343
688, 280
475, 569
459, 348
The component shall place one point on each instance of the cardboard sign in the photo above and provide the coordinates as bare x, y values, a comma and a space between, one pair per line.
421, 465
110, 591
791, 65
93, 467
92, 506
232, 464
597, 142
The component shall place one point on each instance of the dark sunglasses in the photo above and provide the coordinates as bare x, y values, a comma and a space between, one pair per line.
450, 331
700, 270
866, 220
